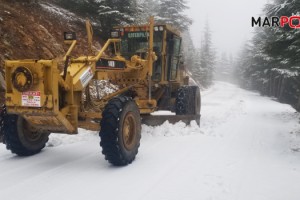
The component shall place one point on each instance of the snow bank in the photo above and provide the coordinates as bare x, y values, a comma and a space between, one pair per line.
247, 148
164, 130
63, 139
168, 130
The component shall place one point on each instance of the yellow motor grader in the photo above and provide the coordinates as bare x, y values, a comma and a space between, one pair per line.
143, 62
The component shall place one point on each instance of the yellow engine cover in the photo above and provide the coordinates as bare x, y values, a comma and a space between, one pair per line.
32, 92
30, 84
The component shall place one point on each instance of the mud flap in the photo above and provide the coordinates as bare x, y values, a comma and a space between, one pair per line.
156, 120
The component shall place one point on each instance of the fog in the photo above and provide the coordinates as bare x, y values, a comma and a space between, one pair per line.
229, 21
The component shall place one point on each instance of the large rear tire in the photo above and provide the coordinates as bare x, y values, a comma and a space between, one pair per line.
188, 101
21, 138
2, 110
120, 131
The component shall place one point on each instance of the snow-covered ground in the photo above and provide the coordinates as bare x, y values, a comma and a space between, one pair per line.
248, 148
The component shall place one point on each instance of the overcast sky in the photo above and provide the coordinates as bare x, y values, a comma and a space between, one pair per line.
229, 20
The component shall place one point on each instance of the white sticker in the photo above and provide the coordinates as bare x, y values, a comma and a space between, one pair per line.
86, 76
31, 99
111, 63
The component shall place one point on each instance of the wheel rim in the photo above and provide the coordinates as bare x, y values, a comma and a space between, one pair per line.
28, 134
129, 131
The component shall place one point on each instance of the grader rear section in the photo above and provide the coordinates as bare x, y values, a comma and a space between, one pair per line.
142, 62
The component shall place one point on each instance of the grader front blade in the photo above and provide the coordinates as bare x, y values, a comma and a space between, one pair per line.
156, 120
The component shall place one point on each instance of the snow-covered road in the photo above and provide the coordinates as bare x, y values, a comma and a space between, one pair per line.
248, 148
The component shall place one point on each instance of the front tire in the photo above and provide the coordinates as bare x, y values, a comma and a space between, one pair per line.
188, 101
21, 138
120, 131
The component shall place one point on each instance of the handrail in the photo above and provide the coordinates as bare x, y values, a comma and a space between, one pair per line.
70, 49
98, 56
108, 42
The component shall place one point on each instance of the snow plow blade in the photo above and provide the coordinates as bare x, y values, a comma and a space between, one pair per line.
156, 120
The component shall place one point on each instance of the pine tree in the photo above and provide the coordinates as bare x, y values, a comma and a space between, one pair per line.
104, 13
191, 56
207, 58
116, 12
273, 65
223, 67
243, 64
172, 12
146, 9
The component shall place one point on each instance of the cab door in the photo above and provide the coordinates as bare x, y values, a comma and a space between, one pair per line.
172, 57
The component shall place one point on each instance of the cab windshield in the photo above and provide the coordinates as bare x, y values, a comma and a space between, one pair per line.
136, 43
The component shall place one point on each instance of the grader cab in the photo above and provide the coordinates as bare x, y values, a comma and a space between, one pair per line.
143, 62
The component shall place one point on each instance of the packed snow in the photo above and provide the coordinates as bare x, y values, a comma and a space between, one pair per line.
248, 147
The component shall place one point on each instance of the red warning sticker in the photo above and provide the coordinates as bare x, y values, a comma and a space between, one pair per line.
31, 98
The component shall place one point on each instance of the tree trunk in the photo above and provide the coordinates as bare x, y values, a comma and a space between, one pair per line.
298, 105
282, 85
271, 84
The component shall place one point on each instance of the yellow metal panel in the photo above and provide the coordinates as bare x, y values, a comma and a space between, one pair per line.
90, 125
146, 106
83, 77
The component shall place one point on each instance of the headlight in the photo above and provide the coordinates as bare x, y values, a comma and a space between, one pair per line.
69, 36
114, 34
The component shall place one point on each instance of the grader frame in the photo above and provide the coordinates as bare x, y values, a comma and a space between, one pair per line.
49, 100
